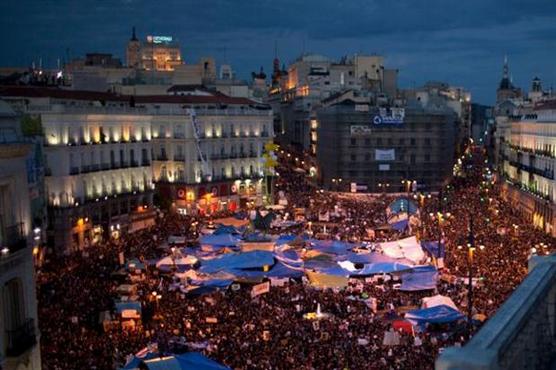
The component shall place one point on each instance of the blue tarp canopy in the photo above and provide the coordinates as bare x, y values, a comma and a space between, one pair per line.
121, 306
186, 361
401, 205
209, 286
245, 260
367, 258
281, 270
285, 239
434, 249
331, 246
135, 361
435, 315
220, 240
420, 278
134, 263
381, 268
223, 229
400, 225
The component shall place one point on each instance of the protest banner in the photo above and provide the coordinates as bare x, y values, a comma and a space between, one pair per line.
260, 289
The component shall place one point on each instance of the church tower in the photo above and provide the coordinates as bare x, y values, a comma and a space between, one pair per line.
133, 51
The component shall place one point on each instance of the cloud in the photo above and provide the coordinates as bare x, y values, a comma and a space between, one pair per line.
462, 42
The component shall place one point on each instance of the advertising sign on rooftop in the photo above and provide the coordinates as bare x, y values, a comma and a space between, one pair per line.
389, 116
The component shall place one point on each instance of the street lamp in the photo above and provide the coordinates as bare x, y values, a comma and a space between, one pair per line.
470, 250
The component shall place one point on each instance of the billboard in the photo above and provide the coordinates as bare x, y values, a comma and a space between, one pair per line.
389, 116
354, 187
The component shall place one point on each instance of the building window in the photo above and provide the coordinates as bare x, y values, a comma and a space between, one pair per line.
412, 141
427, 141
353, 141
367, 141
402, 141
14, 309
353, 157
412, 159
427, 157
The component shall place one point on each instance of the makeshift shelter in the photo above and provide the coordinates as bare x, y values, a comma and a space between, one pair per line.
168, 261
438, 300
401, 205
441, 314
281, 270
434, 249
419, 278
185, 361
400, 225
375, 268
408, 248
226, 229
403, 325
244, 260
220, 240
129, 310
327, 280
209, 286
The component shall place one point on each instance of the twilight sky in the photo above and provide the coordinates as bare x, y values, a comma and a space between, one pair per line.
461, 42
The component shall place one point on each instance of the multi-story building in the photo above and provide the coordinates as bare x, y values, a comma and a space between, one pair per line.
314, 78
523, 150
98, 175
158, 53
102, 166
207, 149
527, 162
379, 147
19, 337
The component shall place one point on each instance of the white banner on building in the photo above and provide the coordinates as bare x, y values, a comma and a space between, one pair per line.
385, 154
260, 289
384, 167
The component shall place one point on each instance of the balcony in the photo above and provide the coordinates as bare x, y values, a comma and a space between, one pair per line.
124, 164
179, 135
134, 163
74, 171
145, 162
21, 339
179, 157
521, 333
95, 167
105, 166
162, 157
14, 238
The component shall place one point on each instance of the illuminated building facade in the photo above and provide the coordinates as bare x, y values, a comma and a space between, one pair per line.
220, 165
98, 175
159, 53
528, 158
19, 339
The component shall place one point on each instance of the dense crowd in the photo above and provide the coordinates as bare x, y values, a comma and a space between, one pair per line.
270, 332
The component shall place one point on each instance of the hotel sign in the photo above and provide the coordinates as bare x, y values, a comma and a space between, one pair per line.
159, 39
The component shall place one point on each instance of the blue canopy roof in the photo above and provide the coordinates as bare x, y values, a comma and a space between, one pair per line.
434, 249
121, 306
366, 258
220, 240
381, 268
185, 361
400, 225
420, 278
332, 246
281, 270
435, 315
244, 260
223, 229
401, 205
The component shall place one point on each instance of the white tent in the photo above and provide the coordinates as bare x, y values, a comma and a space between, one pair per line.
408, 248
179, 261
438, 300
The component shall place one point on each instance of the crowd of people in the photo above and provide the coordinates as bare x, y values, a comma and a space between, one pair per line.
270, 331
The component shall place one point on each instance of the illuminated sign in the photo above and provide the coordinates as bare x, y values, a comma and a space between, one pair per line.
389, 116
159, 39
